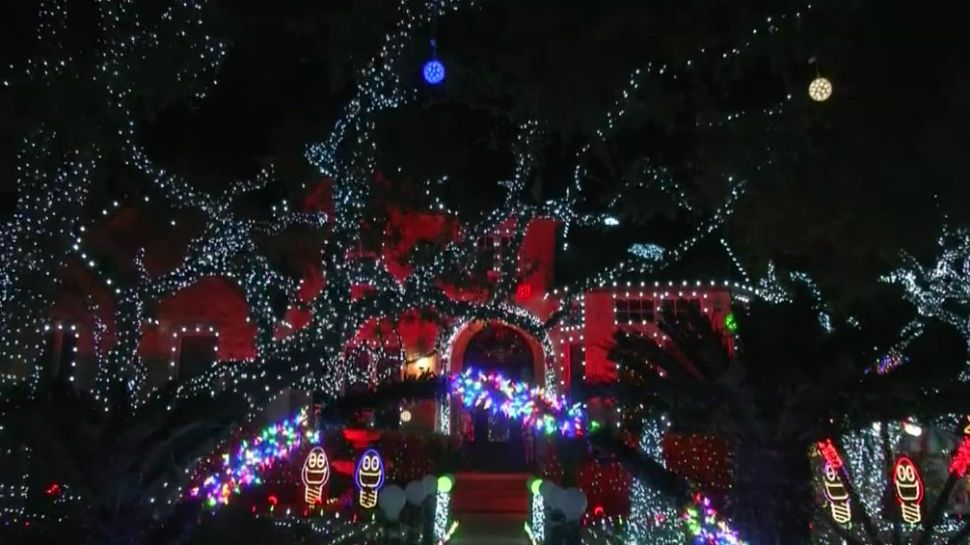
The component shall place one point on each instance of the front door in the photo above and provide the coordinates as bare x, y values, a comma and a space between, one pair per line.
496, 443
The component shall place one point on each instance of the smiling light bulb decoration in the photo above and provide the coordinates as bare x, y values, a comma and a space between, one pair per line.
369, 477
909, 489
316, 473
837, 494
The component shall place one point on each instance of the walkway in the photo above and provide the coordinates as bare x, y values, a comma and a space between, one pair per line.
490, 508
490, 529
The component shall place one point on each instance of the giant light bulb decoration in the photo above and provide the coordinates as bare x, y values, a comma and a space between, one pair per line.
369, 477
837, 494
316, 474
909, 489
833, 484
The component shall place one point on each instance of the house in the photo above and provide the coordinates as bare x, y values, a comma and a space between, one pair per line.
208, 323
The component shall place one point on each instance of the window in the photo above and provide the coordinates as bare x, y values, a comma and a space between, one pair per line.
577, 369
574, 314
197, 354
629, 311
62, 350
493, 249
685, 307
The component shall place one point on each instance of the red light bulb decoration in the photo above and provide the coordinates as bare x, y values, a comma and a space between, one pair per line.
909, 489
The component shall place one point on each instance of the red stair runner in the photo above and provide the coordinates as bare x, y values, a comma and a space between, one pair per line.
490, 493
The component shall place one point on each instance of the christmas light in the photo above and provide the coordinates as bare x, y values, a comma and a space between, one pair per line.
961, 458
909, 489
442, 512
820, 89
315, 475
537, 515
705, 526
940, 290
433, 72
241, 469
45, 229
518, 400
369, 477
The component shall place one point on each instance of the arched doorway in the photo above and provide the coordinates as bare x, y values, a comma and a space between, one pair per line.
495, 443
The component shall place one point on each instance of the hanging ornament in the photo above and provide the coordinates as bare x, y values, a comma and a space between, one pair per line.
434, 70
820, 89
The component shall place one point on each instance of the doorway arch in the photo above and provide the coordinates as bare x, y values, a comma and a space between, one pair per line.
491, 441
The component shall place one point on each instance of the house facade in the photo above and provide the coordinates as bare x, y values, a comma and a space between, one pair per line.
206, 324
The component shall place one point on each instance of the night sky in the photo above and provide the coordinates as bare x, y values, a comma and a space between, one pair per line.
851, 180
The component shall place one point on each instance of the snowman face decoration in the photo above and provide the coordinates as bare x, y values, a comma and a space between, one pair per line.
909, 489
369, 477
316, 473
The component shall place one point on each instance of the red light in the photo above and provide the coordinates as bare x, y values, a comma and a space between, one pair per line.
961, 459
909, 489
273, 499
53, 489
598, 511
829, 452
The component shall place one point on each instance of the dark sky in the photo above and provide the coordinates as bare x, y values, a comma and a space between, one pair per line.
852, 180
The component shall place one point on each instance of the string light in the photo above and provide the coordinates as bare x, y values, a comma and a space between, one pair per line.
652, 515
705, 526
442, 512
227, 246
518, 400
940, 289
241, 469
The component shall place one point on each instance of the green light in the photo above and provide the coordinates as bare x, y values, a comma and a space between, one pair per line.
535, 486
444, 483
730, 324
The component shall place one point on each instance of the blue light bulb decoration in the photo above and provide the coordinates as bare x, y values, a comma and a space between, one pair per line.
434, 70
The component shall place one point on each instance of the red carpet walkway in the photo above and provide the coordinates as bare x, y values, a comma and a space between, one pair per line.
490, 508
490, 493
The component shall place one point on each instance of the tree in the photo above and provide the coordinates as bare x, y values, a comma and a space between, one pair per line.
111, 474
788, 384
76, 101
233, 233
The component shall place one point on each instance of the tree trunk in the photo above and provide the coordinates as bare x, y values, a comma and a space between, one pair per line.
771, 502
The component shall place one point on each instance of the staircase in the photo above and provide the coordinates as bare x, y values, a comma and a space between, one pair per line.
503, 493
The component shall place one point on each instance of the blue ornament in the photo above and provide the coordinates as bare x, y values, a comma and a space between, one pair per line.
433, 72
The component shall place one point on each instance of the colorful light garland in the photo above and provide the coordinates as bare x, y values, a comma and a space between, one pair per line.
242, 468
705, 527
534, 406
226, 237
